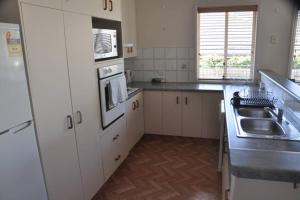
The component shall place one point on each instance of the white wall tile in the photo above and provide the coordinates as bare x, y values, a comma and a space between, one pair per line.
171, 53
182, 76
159, 53
192, 52
171, 76
148, 64
192, 76
148, 53
138, 75
159, 64
182, 53
140, 53
183, 64
171, 64
148, 75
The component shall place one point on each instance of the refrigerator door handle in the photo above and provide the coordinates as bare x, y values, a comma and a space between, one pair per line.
22, 127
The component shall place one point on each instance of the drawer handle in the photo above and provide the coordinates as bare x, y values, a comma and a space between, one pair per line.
118, 158
116, 137
79, 116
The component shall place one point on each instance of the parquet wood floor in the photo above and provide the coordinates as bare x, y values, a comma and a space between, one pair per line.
163, 168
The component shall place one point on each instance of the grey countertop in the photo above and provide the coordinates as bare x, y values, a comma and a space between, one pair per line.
263, 159
178, 86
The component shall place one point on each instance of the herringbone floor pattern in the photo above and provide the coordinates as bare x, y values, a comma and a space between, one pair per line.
163, 167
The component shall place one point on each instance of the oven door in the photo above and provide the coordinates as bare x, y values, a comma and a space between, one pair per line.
105, 43
110, 113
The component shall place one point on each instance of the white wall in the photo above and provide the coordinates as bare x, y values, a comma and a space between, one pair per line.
171, 23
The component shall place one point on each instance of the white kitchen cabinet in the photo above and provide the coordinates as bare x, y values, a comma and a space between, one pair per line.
192, 114
85, 100
88, 7
134, 118
249, 189
50, 92
57, 4
172, 113
153, 112
129, 28
114, 146
109, 9
210, 114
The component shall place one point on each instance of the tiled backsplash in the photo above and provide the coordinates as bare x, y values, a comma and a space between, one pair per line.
171, 64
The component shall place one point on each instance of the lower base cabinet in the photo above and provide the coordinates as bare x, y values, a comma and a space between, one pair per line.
176, 113
114, 147
249, 189
135, 119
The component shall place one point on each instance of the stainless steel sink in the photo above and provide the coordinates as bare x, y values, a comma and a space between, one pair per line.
262, 127
254, 112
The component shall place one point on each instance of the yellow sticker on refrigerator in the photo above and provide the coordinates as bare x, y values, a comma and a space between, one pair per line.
13, 42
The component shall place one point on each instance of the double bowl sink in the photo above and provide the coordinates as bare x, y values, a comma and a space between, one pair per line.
263, 123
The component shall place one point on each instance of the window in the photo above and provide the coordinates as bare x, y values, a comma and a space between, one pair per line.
295, 71
226, 43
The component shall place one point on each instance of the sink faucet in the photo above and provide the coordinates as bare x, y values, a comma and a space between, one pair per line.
277, 112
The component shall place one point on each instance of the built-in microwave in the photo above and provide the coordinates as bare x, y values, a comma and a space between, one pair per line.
105, 44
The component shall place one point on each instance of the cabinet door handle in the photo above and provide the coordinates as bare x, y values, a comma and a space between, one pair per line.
69, 122
116, 137
186, 100
118, 158
133, 105
105, 4
111, 5
137, 103
79, 116
177, 100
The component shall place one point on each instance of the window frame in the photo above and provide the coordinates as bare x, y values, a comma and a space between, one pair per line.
226, 9
293, 40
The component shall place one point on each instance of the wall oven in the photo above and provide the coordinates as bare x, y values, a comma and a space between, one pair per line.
113, 93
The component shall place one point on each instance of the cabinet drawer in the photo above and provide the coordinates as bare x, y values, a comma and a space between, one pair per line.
114, 147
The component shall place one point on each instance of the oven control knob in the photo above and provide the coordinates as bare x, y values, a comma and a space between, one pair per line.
109, 70
105, 71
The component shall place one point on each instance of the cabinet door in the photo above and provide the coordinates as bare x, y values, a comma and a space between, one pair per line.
140, 115
109, 9
85, 100
129, 28
47, 3
89, 7
172, 113
191, 114
132, 125
50, 92
153, 112
210, 117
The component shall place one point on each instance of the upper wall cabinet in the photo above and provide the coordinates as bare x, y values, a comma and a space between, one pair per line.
129, 28
89, 7
47, 3
111, 9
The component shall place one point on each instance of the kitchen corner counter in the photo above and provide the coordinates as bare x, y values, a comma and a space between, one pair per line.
264, 159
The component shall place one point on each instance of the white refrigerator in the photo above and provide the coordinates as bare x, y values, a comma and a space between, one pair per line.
21, 174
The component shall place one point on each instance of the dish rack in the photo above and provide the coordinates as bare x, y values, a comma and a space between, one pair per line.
254, 98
